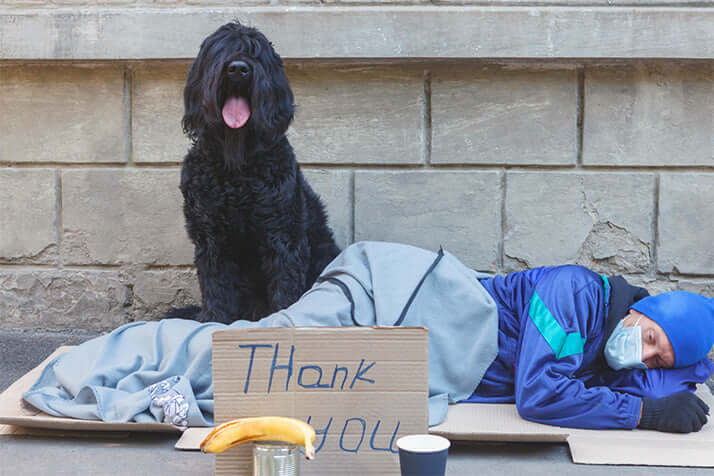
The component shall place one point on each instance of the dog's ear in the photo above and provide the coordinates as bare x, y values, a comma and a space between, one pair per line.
272, 99
202, 84
192, 120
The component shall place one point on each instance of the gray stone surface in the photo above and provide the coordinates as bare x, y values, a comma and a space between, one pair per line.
62, 299
659, 115
56, 113
27, 219
157, 109
701, 286
460, 211
657, 285
156, 291
612, 248
360, 115
114, 216
335, 189
92, 299
498, 115
685, 223
603, 221
359, 32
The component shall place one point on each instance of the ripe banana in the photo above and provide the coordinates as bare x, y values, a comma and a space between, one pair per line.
270, 428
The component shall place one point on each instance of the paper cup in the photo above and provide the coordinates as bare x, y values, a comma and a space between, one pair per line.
423, 455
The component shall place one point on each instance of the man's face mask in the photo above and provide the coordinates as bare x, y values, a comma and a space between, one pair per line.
624, 348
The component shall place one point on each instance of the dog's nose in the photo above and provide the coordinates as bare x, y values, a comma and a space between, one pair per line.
238, 70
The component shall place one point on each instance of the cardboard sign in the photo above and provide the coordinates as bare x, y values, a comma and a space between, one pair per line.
361, 388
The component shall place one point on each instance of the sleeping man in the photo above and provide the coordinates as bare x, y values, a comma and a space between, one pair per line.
568, 346
580, 350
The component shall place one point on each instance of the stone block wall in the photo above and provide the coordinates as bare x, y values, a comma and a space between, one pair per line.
514, 133
508, 165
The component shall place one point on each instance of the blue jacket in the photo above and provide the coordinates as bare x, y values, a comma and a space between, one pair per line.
553, 323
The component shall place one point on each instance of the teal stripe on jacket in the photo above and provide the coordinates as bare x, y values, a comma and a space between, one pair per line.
562, 343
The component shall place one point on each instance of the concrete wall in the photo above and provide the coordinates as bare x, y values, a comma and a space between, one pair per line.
593, 143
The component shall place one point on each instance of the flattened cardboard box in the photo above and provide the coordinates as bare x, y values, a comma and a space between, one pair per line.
465, 421
500, 422
15, 413
360, 388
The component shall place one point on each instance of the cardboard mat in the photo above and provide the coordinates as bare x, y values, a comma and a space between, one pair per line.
17, 417
499, 422
466, 422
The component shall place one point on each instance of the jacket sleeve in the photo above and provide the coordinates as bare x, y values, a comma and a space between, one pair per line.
655, 383
563, 311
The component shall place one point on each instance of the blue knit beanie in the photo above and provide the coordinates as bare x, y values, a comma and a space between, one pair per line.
687, 319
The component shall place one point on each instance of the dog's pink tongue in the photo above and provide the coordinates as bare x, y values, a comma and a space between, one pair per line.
236, 112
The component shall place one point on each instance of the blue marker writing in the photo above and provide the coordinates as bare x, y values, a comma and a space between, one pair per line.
288, 367
360, 373
391, 442
322, 432
344, 429
252, 348
319, 377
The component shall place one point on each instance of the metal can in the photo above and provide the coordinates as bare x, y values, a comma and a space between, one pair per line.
271, 458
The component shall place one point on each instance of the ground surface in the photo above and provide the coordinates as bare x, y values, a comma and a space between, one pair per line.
147, 454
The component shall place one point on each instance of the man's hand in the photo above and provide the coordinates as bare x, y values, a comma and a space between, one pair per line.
682, 412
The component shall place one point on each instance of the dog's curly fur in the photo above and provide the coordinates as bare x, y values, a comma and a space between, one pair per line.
260, 232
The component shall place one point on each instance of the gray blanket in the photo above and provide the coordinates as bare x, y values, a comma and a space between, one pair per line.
161, 371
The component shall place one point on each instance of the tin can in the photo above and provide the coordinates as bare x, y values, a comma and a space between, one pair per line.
272, 458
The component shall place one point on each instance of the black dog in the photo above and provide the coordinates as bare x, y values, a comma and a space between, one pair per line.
260, 232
